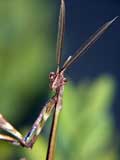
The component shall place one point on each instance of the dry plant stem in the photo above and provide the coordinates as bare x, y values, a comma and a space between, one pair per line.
53, 132
52, 138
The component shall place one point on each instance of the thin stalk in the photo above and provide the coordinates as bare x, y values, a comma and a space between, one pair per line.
53, 132
52, 137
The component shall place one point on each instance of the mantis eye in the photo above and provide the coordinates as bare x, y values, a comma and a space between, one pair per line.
52, 76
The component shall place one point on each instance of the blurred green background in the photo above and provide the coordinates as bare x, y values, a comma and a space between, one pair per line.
27, 55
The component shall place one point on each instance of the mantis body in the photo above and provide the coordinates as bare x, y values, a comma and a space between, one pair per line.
57, 82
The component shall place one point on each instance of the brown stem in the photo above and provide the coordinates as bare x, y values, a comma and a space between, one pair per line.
52, 137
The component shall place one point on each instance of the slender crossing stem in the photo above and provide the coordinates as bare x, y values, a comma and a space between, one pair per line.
53, 132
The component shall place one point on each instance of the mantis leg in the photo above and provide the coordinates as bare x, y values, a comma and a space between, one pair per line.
9, 139
32, 135
5, 125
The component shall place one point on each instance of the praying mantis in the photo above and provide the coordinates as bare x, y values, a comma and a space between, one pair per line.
57, 82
